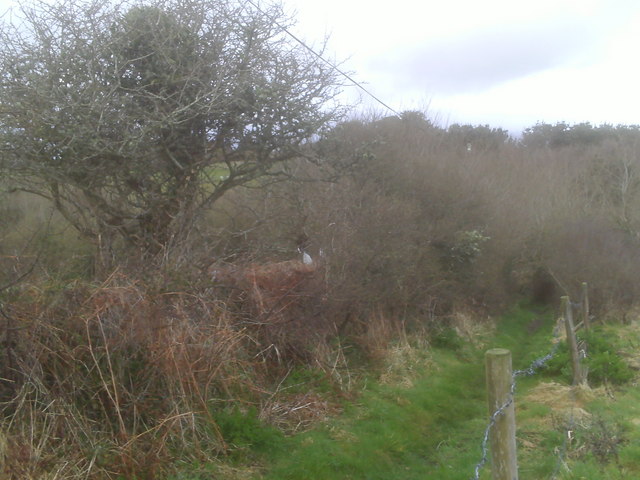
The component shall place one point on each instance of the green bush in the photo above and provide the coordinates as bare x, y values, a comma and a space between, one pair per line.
304, 379
243, 430
602, 359
447, 338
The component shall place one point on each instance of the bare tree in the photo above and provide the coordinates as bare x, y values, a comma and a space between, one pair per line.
133, 116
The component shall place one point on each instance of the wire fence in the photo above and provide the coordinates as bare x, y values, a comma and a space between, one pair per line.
532, 369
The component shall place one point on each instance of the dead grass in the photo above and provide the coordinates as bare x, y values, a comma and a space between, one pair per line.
471, 327
568, 403
111, 379
404, 363
120, 379
298, 412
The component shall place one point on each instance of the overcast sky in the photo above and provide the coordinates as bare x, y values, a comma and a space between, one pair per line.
507, 63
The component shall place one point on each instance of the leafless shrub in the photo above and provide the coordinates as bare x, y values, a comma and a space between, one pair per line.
282, 305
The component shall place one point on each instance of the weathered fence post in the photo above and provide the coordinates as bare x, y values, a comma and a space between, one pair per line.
585, 306
504, 465
572, 343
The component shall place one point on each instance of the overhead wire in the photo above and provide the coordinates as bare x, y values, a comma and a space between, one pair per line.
320, 57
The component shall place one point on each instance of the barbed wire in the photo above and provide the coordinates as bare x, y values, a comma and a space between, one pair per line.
332, 65
492, 422
532, 369
538, 363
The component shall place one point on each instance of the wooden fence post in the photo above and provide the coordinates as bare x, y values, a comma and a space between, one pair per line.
585, 306
504, 465
572, 342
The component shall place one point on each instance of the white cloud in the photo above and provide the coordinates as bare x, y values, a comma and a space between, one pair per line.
508, 63
483, 59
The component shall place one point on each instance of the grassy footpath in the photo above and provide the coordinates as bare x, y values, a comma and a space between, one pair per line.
423, 416
413, 431
430, 427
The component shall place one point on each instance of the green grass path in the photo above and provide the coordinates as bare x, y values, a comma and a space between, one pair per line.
430, 430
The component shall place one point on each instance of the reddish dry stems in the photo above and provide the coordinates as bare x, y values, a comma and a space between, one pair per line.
134, 374
283, 305
130, 362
